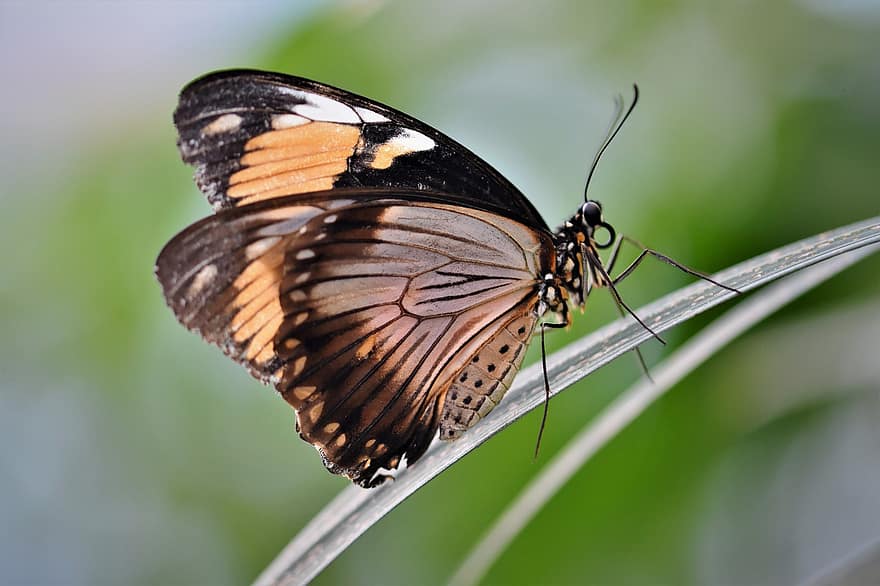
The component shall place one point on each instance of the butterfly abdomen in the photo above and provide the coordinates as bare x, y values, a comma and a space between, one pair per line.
479, 387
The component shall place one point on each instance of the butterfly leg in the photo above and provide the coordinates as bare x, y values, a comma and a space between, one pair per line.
612, 258
645, 251
544, 326
660, 256
592, 257
609, 267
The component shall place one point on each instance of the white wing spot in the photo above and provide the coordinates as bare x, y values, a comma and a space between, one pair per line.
303, 392
225, 123
405, 142
305, 254
369, 115
298, 366
298, 296
330, 219
411, 141
282, 121
322, 108
260, 247
202, 278
316, 410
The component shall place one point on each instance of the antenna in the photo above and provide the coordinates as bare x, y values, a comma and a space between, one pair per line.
616, 124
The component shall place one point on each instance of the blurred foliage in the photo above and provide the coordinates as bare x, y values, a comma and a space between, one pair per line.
135, 453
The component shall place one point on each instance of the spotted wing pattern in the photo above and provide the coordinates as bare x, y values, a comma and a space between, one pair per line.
361, 311
254, 136
480, 386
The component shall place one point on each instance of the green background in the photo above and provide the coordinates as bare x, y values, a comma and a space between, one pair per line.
132, 452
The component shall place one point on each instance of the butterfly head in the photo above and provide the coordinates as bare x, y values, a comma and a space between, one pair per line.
589, 217
577, 244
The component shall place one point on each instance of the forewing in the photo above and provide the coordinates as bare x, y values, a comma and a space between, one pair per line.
256, 135
364, 313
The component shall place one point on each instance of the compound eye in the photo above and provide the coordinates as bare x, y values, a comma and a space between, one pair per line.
592, 213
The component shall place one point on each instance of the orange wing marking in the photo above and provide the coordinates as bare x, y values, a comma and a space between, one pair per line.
299, 159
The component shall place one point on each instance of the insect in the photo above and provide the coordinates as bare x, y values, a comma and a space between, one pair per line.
381, 276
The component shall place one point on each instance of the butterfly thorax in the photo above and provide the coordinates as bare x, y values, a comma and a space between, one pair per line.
578, 266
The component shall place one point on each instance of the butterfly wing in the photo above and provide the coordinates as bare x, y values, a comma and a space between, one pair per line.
363, 311
255, 135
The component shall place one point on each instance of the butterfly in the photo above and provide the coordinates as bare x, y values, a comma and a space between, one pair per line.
385, 279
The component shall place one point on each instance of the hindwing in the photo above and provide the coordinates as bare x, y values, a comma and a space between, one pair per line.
361, 310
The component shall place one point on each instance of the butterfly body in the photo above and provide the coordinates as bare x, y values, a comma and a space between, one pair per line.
382, 277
